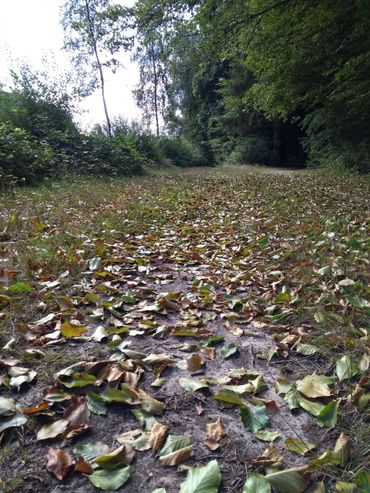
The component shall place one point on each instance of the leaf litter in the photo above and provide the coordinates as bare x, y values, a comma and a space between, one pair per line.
188, 332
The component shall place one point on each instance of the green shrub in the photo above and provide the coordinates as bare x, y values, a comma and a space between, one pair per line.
253, 150
101, 155
180, 152
23, 159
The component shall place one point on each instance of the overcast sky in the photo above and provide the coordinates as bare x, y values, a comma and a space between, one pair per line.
30, 29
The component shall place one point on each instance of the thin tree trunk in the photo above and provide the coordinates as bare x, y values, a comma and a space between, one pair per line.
102, 82
277, 142
155, 88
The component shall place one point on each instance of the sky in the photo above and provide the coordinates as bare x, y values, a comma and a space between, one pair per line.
31, 29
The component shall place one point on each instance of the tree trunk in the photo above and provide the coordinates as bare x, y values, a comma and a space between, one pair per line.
277, 142
101, 75
155, 88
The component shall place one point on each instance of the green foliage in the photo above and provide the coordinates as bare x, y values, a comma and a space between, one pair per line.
256, 80
250, 150
22, 157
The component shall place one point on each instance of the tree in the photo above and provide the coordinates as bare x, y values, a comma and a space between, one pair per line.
88, 36
151, 91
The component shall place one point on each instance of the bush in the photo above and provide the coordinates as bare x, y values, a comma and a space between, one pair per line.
23, 159
181, 152
253, 150
101, 155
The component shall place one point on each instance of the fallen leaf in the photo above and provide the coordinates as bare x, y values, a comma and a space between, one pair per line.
110, 480
52, 430
69, 329
205, 479
215, 431
299, 446
158, 435
59, 463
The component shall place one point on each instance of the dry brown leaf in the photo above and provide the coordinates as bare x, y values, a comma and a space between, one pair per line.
270, 455
38, 409
177, 457
158, 435
270, 404
74, 431
83, 467
209, 352
200, 409
215, 431
149, 404
77, 413
59, 463
194, 362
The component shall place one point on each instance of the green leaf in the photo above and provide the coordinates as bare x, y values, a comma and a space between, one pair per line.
173, 443
110, 480
68, 329
314, 386
90, 451
77, 380
145, 420
256, 484
254, 419
159, 490
129, 299
19, 288
267, 436
298, 446
228, 350
307, 349
120, 456
288, 480
267, 353
192, 384
283, 386
96, 404
346, 368
92, 298
292, 398
342, 487
205, 479
311, 407
363, 481
328, 457
211, 341
328, 415
228, 397
125, 395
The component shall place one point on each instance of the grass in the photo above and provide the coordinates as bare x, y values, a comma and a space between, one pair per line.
291, 247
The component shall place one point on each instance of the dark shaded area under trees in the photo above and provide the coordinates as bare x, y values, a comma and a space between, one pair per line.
255, 81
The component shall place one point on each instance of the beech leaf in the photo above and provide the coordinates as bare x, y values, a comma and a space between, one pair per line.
205, 479
110, 480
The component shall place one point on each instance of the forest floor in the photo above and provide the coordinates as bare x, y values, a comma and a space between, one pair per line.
214, 319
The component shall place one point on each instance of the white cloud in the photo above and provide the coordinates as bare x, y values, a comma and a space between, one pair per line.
31, 29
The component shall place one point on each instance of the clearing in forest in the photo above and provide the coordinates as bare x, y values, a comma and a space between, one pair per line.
200, 332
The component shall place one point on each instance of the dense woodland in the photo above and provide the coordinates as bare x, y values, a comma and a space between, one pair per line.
274, 82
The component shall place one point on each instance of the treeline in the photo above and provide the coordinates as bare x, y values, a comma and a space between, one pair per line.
277, 82
271, 81
39, 139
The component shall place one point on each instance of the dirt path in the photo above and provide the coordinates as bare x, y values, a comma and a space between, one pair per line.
212, 283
